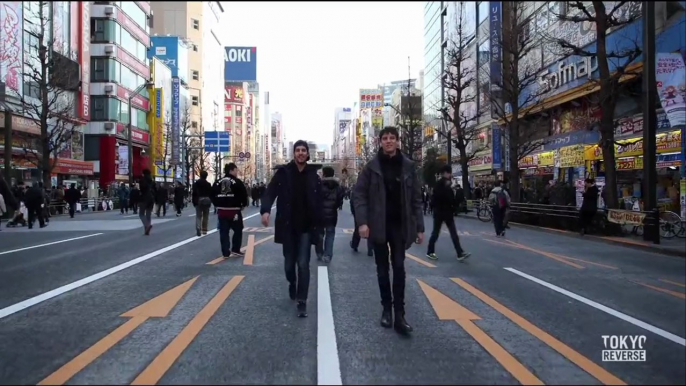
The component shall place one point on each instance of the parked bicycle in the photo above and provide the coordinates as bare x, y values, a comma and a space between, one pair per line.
484, 212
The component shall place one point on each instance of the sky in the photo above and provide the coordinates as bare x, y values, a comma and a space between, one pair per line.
313, 57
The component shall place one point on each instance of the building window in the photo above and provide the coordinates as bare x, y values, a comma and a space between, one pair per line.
196, 75
136, 14
105, 70
194, 124
195, 47
195, 100
196, 24
105, 108
483, 11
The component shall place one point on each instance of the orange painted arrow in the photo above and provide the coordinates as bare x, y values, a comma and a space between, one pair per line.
158, 307
448, 309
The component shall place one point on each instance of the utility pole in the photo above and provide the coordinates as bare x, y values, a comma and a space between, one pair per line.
8, 134
649, 120
129, 138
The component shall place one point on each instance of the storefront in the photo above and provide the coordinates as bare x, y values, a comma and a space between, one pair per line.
481, 169
25, 134
67, 171
114, 155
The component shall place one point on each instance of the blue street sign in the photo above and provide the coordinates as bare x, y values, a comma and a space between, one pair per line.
217, 141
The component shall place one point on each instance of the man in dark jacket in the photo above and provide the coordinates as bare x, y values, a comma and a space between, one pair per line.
229, 196
444, 201
146, 203
34, 201
202, 201
332, 200
161, 198
389, 210
123, 193
589, 207
72, 196
298, 219
179, 197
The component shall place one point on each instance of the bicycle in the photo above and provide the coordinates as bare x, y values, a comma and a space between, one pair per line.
484, 212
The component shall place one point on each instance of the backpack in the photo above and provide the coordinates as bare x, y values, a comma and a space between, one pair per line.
501, 199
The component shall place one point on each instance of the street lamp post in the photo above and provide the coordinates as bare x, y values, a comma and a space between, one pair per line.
129, 138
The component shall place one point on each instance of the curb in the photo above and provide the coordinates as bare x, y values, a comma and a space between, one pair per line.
649, 248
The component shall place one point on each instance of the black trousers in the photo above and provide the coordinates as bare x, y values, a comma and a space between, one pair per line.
586, 219
297, 251
35, 212
498, 219
396, 259
449, 220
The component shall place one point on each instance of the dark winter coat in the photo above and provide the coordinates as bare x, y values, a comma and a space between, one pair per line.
370, 202
332, 199
281, 187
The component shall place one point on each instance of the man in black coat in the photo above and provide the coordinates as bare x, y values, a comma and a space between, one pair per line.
445, 204
589, 207
298, 219
332, 200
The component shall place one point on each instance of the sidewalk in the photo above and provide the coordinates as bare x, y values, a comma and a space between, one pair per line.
673, 247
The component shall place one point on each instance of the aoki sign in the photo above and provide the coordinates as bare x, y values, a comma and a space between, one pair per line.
566, 73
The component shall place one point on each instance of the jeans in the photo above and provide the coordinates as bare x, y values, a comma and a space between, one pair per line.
296, 252
145, 214
225, 226
162, 206
449, 221
394, 239
124, 206
329, 237
498, 219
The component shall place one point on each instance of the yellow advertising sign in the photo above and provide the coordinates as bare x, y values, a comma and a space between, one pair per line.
625, 217
546, 159
666, 143
571, 156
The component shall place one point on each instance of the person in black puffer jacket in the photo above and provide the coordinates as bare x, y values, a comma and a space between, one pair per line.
332, 199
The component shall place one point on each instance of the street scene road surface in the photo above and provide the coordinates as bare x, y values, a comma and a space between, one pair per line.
91, 300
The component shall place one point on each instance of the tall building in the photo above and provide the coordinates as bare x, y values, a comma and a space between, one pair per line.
253, 129
388, 90
197, 24
276, 139
435, 44
120, 40
264, 155
341, 128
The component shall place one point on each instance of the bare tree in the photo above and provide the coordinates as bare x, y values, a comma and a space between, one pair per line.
514, 95
190, 143
164, 147
460, 115
369, 149
50, 86
410, 122
605, 17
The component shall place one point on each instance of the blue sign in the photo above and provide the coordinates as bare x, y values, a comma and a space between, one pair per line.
495, 30
240, 64
171, 51
176, 121
217, 142
575, 71
579, 137
346, 109
158, 103
497, 147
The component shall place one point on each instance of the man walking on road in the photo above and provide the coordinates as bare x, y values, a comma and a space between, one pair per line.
230, 197
500, 201
298, 219
444, 207
389, 211
202, 201
72, 196
332, 200
146, 203
123, 193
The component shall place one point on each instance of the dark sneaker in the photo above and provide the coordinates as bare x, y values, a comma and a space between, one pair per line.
370, 253
463, 255
302, 309
351, 246
432, 256
237, 254
291, 291
197, 232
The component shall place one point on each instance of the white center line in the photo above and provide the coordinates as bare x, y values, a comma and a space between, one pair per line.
13, 309
46, 244
630, 319
328, 365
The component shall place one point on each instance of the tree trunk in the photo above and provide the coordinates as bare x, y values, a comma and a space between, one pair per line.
465, 178
608, 147
513, 177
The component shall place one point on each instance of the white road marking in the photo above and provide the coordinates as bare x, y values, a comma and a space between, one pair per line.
46, 244
131, 215
328, 365
7, 311
608, 310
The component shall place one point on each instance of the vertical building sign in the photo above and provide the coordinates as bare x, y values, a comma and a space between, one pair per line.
497, 146
11, 52
176, 121
496, 31
85, 60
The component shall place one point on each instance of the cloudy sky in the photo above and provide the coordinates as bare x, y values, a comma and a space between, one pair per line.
314, 57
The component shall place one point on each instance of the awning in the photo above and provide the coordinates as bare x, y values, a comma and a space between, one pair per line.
70, 166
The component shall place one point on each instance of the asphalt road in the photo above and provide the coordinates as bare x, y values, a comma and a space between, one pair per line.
532, 308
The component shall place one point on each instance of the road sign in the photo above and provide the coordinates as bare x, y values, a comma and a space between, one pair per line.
247, 154
217, 141
241, 155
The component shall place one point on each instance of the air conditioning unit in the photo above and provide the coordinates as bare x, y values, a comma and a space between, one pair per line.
109, 11
110, 126
109, 50
109, 88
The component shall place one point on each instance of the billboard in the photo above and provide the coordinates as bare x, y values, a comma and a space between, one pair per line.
371, 98
240, 63
176, 121
11, 45
172, 52
85, 61
233, 94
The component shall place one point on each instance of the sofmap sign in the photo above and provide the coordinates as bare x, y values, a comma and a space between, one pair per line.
567, 71
176, 103
240, 64
573, 138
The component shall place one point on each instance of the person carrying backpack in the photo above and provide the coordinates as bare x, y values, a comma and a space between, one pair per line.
500, 201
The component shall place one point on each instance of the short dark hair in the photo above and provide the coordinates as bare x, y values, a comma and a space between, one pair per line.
228, 168
446, 169
146, 172
327, 171
203, 174
389, 130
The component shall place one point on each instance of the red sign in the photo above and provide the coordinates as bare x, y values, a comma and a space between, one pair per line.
137, 135
74, 33
133, 28
233, 94
70, 166
85, 61
478, 161
133, 63
137, 101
